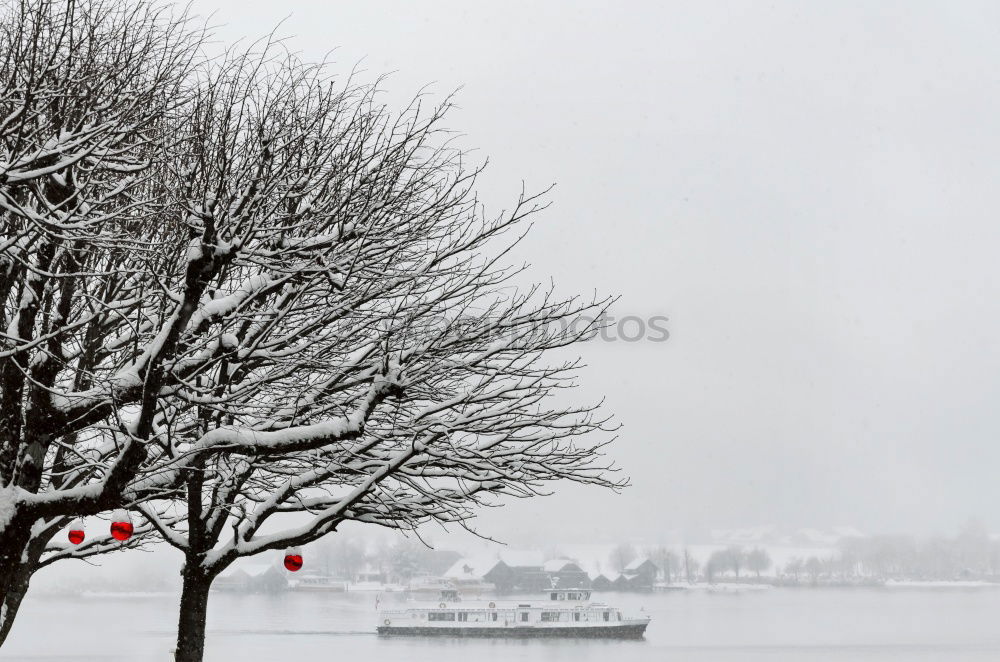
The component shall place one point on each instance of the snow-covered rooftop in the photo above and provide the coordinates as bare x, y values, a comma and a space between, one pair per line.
635, 565
471, 567
610, 576
555, 565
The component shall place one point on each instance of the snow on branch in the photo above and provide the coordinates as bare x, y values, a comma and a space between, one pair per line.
238, 292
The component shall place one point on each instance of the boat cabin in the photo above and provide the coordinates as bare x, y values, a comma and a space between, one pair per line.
522, 614
574, 594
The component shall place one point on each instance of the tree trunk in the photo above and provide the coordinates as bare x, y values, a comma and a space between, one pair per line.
15, 584
194, 608
9, 604
14, 572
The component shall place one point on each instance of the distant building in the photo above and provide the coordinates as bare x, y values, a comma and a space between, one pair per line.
566, 574
600, 583
529, 570
620, 582
613, 581
252, 578
637, 576
640, 574
481, 574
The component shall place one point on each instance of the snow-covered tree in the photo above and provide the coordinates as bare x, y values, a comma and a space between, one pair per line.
252, 303
735, 559
91, 305
758, 560
395, 377
691, 566
666, 560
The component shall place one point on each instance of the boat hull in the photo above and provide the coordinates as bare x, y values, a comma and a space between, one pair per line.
628, 631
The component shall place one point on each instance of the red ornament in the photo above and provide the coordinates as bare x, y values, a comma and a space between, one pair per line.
293, 562
121, 530
76, 533
121, 526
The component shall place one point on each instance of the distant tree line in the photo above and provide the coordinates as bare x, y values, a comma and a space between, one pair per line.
972, 554
396, 561
734, 560
681, 566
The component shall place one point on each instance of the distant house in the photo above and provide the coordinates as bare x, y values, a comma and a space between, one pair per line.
252, 578
620, 582
566, 574
481, 574
529, 570
610, 582
640, 574
600, 583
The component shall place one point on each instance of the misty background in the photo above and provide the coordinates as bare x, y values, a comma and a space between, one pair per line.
807, 192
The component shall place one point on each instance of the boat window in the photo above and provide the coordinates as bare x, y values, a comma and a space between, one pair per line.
494, 616
619, 616
607, 616
550, 616
441, 616
555, 596
524, 616
586, 595
463, 615
576, 616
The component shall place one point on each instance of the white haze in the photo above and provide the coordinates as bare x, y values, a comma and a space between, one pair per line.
807, 191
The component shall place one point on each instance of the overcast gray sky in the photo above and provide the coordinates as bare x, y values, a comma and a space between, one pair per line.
807, 190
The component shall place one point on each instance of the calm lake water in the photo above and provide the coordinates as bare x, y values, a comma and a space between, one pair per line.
775, 625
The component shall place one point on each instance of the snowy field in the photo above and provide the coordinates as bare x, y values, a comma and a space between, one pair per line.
786, 625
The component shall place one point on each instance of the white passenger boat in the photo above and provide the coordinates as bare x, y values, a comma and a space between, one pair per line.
565, 613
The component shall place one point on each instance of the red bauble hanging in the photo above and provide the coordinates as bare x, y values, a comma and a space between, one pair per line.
76, 533
121, 526
293, 559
